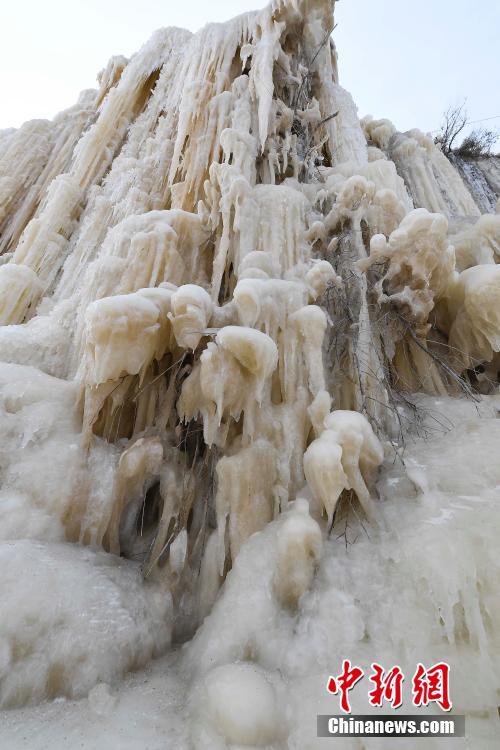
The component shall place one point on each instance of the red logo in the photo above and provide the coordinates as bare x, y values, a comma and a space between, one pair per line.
432, 686
388, 686
343, 683
428, 685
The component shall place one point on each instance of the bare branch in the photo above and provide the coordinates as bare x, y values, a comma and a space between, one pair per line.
455, 120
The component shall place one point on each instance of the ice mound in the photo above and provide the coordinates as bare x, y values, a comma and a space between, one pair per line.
430, 590
70, 618
271, 573
238, 705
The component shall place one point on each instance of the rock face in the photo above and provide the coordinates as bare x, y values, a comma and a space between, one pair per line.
219, 292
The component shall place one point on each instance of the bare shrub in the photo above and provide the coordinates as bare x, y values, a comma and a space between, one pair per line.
478, 143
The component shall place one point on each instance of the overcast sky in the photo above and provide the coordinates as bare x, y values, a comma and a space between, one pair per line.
403, 60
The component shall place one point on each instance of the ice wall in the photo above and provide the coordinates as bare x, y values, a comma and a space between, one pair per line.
482, 177
220, 293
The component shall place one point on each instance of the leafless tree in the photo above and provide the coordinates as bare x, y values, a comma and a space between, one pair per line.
455, 120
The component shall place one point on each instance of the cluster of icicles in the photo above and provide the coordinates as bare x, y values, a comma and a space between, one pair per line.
222, 278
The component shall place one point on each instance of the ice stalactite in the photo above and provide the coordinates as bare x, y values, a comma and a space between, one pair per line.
220, 295
431, 179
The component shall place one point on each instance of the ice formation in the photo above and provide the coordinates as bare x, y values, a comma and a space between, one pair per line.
342, 458
237, 325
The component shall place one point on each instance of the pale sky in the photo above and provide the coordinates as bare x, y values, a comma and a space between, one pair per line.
399, 59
